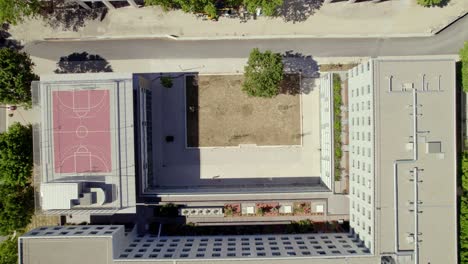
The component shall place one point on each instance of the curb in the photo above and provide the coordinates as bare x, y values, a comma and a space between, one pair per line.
253, 37
450, 22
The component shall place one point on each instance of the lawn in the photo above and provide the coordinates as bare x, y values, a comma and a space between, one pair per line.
219, 113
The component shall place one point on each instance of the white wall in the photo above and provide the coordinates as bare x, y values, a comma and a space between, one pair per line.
361, 151
326, 129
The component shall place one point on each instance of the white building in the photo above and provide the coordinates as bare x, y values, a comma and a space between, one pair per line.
402, 129
361, 157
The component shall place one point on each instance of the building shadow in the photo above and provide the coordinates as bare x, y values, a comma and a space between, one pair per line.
298, 10
69, 15
5, 38
82, 63
305, 65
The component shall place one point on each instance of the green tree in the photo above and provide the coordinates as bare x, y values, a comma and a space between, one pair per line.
16, 208
210, 10
430, 2
9, 251
463, 213
263, 74
13, 11
269, 7
16, 75
464, 66
16, 159
165, 4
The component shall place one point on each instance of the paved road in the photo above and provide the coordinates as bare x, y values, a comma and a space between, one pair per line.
448, 41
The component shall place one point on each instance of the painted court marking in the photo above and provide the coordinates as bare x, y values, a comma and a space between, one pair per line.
82, 136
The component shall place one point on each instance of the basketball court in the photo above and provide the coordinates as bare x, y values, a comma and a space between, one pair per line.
81, 127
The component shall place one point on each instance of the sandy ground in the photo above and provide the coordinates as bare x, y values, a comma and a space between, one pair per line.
227, 116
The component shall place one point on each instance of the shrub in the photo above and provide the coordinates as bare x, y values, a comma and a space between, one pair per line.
166, 81
337, 102
464, 66
429, 3
169, 210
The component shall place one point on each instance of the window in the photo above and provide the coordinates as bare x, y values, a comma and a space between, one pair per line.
368, 121
369, 199
369, 230
368, 215
368, 66
352, 93
368, 136
357, 107
357, 92
368, 89
358, 178
368, 105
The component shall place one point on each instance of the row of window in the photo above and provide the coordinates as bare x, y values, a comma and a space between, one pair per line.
360, 107
363, 181
360, 165
361, 151
360, 121
363, 195
361, 136
355, 92
362, 224
360, 68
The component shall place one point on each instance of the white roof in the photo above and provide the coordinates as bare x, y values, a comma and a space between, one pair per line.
58, 195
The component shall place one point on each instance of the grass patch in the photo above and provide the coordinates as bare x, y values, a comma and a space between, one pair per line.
337, 102
463, 210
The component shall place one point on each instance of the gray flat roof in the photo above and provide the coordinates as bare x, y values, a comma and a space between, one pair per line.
394, 130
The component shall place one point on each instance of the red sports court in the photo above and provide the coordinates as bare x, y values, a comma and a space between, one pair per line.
82, 138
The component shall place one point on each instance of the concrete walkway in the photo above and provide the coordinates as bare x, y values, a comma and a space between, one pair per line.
341, 19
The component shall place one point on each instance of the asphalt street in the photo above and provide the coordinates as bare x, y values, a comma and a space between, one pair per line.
449, 41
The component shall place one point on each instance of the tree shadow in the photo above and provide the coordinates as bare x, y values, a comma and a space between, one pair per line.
5, 38
298, 10
69, 15
295, 62
82, 63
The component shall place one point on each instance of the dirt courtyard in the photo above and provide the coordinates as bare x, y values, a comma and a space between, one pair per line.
219, 113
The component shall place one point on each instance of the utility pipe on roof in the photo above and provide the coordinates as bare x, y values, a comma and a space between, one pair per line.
416, 209
395, 177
